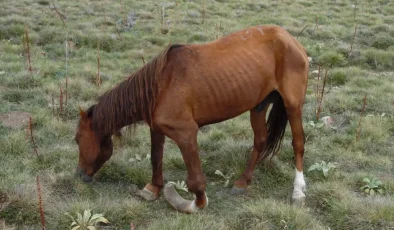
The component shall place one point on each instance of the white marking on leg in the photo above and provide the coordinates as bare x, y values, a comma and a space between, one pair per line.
193, 207
147, 194
299, 185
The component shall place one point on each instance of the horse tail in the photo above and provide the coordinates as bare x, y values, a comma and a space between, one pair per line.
276, 125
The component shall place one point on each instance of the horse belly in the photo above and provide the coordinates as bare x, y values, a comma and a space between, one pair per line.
223, 97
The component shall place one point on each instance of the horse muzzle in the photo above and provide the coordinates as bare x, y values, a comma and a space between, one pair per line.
84, 177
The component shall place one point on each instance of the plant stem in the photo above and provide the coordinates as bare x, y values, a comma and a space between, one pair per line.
66, 90
61, 16
361, 116
302, 31
30, 127
354, 37
40, 206
28, 49
321, 95
98, 79
60, 100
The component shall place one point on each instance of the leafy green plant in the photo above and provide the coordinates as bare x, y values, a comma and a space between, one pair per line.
180, 185
226, 178
372, 186
87, 221
324, 167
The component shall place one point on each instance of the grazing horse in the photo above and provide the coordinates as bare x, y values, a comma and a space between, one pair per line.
188, 86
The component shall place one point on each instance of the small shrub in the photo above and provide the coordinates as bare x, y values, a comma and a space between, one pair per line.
324, 167
180, 185
381, 28
338, 77
87, 221
11, 31
331, 58
383, 41
372, 186
377, 59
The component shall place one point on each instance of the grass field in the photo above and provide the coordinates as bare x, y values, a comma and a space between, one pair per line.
353, 40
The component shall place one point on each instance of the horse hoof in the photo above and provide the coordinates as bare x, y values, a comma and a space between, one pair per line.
298, 202
147, 195
235, 191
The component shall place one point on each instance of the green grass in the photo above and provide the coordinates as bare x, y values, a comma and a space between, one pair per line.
334, 202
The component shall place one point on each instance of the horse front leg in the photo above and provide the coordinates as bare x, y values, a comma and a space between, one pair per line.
152, 190
186, 138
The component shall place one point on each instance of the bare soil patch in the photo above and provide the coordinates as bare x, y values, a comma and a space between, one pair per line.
15, 119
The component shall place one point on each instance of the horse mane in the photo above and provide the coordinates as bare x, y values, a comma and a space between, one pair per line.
132, 100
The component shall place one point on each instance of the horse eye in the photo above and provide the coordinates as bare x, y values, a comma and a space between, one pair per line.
76, 139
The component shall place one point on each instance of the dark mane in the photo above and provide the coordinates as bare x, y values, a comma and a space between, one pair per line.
132, 100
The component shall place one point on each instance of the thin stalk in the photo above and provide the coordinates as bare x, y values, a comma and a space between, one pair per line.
354, 38
98, 78
30, 127
40, 206
361, 116
28, 49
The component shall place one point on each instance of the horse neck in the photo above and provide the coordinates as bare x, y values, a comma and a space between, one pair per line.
118, 109
132, 100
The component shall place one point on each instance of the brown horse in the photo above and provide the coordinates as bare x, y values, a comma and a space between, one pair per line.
189, 86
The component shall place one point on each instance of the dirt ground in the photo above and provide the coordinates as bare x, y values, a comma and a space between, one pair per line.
15, 119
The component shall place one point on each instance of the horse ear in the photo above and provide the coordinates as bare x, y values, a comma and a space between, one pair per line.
82, 113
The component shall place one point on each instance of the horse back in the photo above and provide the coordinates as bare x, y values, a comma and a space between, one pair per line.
224, 78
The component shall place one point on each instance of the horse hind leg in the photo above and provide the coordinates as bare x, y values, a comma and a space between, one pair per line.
295, 119
293, 99
259, 126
